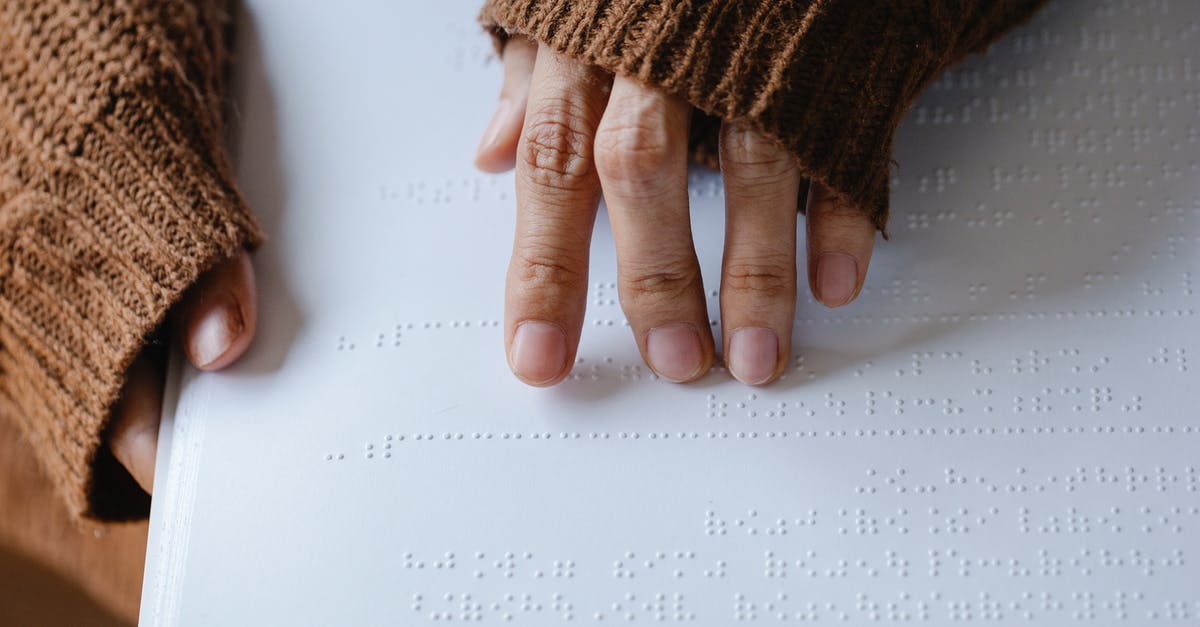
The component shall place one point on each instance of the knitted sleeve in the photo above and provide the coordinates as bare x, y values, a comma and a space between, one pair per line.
115, 194
828, 79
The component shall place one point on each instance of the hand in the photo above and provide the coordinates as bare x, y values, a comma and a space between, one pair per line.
573, 131
215, 322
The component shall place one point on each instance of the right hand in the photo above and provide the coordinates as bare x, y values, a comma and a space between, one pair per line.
572, 131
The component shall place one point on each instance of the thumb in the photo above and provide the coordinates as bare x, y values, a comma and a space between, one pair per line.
133, 438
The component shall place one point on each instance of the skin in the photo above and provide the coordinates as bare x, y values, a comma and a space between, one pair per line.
215, 322
573, 132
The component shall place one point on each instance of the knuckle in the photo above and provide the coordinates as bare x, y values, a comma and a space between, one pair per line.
634, 150
556, 147
757, 159
544, 266
672, 282
772, 276
828, 202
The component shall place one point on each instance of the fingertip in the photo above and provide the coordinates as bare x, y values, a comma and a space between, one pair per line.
497, 151
133, 434
841, 238
754, 355
214, 336
221, 314
837, 279
491, 163
136, 449
538, 353
675, 352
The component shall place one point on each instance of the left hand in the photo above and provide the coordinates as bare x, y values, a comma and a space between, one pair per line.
573, 131
215, 322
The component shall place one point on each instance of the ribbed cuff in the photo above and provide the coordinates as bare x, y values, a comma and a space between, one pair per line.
112, 221
829, 80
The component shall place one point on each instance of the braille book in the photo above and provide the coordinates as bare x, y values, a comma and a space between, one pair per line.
1003, 428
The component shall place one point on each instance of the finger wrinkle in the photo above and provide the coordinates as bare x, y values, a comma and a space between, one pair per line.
556, 154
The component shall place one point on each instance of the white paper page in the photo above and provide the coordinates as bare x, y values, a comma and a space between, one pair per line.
1003, 428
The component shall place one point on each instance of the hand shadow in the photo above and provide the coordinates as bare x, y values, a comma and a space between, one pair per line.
1015, 238
255, 149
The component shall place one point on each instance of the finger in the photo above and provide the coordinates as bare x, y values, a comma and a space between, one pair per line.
219, 314
758, 271
133, 436
841, 237
497, 150
557, 196
641, 156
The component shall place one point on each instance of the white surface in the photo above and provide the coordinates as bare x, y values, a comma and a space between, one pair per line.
1003, 428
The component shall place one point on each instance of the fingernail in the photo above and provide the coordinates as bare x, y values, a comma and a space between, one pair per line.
674, 352
753, 354
837, 274
539, 352
215, 333
491, 134
142, 448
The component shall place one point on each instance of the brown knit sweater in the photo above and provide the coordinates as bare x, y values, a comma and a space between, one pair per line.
116, 192
829, 79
